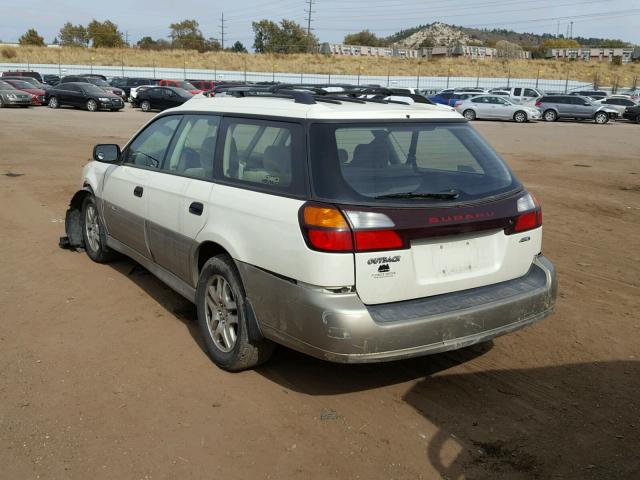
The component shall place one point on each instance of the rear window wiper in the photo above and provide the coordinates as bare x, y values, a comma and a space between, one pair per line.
446, 195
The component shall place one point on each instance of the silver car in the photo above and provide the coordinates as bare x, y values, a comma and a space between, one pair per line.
554, 107
10, 96
494, 107
619, 104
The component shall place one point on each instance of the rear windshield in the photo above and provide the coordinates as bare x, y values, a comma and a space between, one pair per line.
373, 163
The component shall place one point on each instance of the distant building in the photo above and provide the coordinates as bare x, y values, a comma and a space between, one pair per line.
595, 54
466, 51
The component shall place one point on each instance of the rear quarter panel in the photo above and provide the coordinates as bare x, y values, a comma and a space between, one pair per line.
263, 230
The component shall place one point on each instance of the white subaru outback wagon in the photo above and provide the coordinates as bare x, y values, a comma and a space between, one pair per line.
351, 230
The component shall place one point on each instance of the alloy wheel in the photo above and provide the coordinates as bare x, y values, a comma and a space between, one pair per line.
221, 313
92, 227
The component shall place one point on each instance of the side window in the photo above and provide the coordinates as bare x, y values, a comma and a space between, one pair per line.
517, 92
264, 154
149, 147
194, 147
530, 93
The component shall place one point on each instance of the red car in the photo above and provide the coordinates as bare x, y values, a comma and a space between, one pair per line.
37, 95
180, 84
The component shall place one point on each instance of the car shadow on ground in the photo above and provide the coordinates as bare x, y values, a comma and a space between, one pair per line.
575, 421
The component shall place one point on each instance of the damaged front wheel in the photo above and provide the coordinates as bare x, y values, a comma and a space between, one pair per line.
93, 232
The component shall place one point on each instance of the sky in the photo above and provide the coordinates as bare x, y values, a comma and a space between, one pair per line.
331, 19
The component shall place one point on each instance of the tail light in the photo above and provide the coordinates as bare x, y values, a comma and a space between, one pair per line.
538, 103
327, 229
530, 215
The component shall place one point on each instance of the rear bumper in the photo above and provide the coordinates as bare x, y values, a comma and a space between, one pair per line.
340, 328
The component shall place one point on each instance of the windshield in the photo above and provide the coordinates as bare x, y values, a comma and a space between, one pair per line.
97, 81
93, 90
20, 84
409, 163
186, 85
6, 86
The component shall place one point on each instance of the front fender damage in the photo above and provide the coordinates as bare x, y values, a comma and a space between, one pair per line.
73, 221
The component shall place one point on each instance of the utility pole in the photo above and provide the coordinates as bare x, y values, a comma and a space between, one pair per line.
308, 19
571, 30
126, 38
222, 30
309, 12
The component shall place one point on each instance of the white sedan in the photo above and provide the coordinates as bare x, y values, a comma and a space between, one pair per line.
494, 107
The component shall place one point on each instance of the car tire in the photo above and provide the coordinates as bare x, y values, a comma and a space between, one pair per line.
94, 233
92, 105
601, 118
53, 102
520, 117
550, 116
223, 317
1, 103
469, 114
145, 106
637, 120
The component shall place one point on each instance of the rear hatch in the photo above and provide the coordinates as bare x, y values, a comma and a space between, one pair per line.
431, 208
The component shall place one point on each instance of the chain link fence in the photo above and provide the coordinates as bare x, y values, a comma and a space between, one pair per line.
428, 83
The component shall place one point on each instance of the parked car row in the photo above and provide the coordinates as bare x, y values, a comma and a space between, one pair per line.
522, 104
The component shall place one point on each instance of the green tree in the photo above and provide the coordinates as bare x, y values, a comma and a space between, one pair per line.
287, 37
148, 43
546, 45
238, 47
73, 35
366, 38
31, 37
186, 35
104, 34
212, 45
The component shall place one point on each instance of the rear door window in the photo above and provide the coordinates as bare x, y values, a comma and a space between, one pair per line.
263, 155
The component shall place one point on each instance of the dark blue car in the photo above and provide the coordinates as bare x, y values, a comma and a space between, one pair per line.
442, 98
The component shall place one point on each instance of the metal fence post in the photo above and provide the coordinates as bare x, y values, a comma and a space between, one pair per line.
508, 76
302, 74
245, 69
537, 78
418, 78
388, 73
478, 78
448, 76
59, 61
566, 81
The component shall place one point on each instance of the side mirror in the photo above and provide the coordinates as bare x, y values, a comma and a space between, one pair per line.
106, 153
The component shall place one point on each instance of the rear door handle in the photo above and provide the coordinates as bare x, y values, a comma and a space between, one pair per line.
196, 208
138, 191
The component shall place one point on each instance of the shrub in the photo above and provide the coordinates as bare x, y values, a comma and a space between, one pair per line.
8, 52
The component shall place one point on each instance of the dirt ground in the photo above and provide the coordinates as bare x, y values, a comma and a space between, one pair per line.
102, 374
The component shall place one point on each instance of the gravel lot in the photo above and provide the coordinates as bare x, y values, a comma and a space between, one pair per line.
102, 374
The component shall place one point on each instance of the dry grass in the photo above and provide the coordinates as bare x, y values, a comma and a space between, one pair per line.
316, 63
